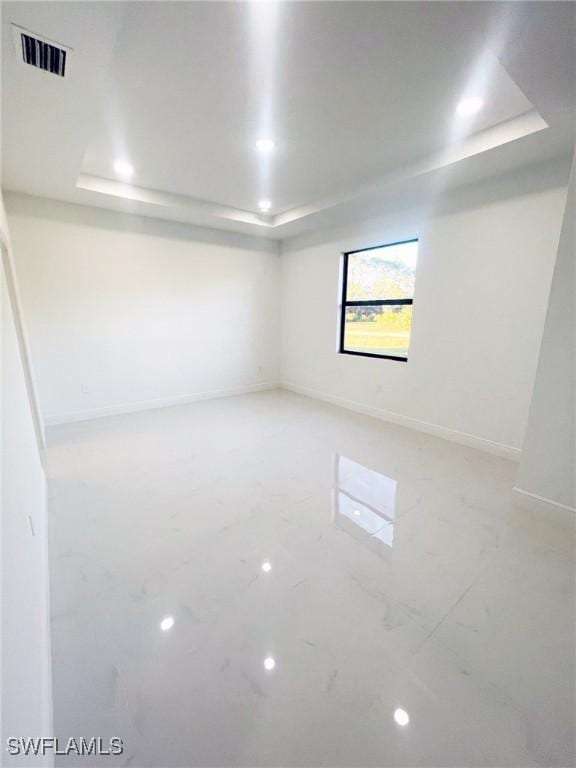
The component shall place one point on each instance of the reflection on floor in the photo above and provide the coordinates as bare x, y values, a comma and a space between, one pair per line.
271, 581
366, 499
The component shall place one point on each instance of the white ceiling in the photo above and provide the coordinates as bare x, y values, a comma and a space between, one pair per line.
359, 97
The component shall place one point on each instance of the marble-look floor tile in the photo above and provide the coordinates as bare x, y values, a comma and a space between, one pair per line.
340, 592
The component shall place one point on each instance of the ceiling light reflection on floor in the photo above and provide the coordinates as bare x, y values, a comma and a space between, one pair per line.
401, 717
266, 566
269, 663
167, 623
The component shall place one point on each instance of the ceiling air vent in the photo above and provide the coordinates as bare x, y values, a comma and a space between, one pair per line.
40, 52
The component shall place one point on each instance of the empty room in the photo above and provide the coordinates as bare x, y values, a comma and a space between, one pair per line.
288, 384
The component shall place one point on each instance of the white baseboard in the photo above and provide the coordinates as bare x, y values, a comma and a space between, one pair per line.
147, 405
472, 441
462, 438
538, 503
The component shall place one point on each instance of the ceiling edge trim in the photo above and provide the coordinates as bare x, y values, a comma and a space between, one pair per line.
460, 149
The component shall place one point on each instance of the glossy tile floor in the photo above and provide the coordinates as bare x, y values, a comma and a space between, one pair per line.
271, 581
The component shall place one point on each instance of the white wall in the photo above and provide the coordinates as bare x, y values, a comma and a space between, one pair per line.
25, 658
485, 264
548, 467
125, 312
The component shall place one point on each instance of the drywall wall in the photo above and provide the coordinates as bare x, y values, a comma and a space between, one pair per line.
485, 263
547, 472
26, 679
125, 312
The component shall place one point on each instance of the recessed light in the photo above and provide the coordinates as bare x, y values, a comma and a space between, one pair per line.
123, 169
401, 717
468, 107
266, 566
264, 205
269, 663
265, 146
167, 623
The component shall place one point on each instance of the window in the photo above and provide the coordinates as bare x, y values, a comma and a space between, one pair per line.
377, 298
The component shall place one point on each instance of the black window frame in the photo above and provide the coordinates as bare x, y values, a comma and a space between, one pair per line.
367, 302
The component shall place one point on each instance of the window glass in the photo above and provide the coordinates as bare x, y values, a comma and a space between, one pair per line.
380, 330
377, 303
383, 273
